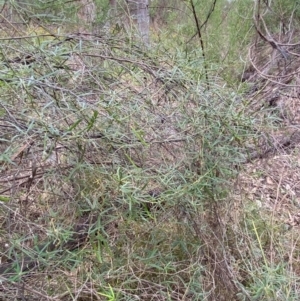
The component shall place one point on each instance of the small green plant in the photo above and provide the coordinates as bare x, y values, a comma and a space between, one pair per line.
109, 294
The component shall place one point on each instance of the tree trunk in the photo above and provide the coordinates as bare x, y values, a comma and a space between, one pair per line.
87, 11
143, 19
139, 10
113, 5
112, 13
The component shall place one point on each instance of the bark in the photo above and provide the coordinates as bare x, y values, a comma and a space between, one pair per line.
87, 11
139, 10
113, 4
112, 13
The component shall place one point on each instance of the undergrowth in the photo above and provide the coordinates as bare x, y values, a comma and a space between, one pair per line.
130, 141
118, 177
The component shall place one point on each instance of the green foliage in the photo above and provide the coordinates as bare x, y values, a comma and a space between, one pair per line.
140, 152
226, 30
145, 157
55, 12
281, 14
